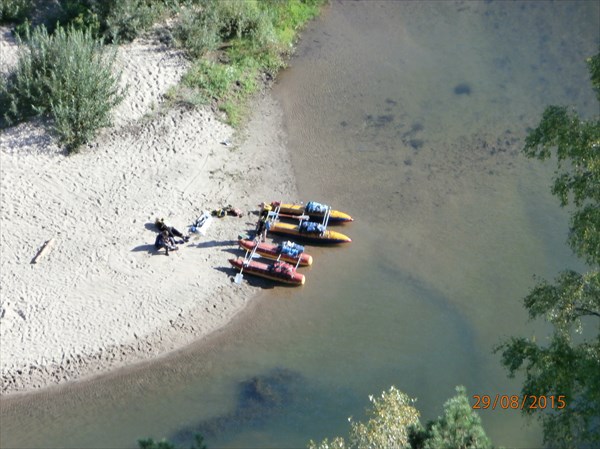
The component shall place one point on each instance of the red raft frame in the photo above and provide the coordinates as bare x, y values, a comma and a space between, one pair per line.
278, 271
271, 251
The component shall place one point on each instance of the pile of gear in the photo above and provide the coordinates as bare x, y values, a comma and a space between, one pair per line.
169, 237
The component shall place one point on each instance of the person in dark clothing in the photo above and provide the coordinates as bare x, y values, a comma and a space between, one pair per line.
166, 241
162, 226
262, 226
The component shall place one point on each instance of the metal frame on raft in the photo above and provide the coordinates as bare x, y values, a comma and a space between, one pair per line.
276, 214
251, 255
239, 276
320, 235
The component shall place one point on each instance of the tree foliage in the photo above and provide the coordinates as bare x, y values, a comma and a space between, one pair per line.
569, 364
576, 145
14, 10
393, 422
458, 428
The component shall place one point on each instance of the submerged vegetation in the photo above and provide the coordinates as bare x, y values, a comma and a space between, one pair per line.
65, 71
149, 443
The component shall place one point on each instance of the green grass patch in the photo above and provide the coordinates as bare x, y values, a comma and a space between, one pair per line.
224, 85
237, 45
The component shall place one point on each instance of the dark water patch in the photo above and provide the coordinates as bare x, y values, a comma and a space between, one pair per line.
462, 89
414, 129
343, 123
416, 144
279, 398
385, 119
259, 399
378, 121
409, 138
408, 162
417, 126
391, 102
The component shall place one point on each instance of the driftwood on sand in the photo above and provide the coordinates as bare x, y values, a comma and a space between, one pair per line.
44, 250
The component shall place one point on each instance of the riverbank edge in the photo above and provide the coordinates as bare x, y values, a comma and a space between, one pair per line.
172, 335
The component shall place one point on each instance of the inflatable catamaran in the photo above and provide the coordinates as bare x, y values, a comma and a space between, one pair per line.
315, 211
277, 271
308, 231
288, 251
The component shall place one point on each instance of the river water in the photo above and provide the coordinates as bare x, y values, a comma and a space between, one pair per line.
411, 117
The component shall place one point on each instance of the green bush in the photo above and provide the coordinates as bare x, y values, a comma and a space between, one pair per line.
113, 20
198, 31
244, 19
14, 10
239, 44
67, 75
124, 20
204, 28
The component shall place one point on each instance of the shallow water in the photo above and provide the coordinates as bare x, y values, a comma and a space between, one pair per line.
410, 116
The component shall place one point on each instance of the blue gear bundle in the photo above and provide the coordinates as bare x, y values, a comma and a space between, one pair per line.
311, 227
291, 249
312, 207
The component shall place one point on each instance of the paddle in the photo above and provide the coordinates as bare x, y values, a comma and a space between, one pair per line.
239, 277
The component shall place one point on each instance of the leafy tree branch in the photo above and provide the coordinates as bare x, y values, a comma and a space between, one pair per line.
569, 363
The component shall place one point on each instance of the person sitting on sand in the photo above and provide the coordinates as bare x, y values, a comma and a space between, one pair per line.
163, 225
166, 241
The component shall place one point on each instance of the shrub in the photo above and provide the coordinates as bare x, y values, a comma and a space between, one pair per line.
113, 20
241, 19
67, 75
241, 44
124, 20
14, 10
198, 30
202, 29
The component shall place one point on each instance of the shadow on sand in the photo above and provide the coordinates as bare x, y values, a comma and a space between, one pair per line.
151, 249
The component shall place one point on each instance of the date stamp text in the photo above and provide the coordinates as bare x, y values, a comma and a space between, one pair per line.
518, 402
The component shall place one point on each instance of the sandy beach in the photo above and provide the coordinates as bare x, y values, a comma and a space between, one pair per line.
103, 297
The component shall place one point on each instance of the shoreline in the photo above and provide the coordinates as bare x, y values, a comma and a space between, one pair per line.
100, 205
